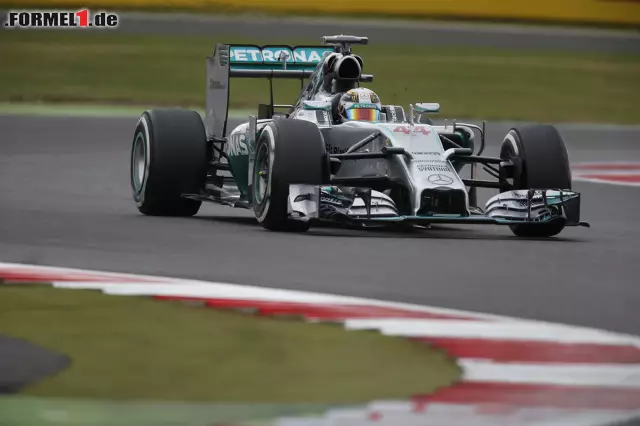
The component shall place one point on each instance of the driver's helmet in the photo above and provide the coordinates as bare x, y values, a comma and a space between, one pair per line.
360, 104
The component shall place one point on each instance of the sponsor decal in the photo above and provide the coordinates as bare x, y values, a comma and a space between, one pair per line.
277, 54
310, 54
364, 106
525, 203
213, 84
332, 149
322, 116
56, 18
365, 97
354, 95
415, 129
328, 199
394, 115
238, 145
440, 179
424, 153
432, 168
270, 54
246, 54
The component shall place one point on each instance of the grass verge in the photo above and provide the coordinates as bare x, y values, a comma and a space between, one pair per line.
140, 349
475, 83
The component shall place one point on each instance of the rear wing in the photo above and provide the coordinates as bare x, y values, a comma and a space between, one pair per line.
270, 61
251, 61
276, 61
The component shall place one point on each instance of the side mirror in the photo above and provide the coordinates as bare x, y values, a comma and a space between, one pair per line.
317, 105
426, 107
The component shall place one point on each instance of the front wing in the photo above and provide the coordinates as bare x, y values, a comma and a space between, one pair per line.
365, 206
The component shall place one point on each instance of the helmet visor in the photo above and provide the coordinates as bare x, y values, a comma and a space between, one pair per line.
363, 114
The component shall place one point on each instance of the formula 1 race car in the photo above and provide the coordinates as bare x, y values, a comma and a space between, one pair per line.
305, 164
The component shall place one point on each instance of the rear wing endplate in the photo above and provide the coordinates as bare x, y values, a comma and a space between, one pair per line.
251, 61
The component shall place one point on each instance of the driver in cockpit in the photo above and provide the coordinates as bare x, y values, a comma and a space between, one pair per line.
360, 104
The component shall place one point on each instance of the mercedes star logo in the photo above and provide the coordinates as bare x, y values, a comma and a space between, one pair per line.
440, 179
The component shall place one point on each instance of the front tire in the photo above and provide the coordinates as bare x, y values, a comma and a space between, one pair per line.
168, 157
541, 162
287, 152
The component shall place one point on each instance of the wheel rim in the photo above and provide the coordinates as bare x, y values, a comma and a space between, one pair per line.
507, 152
138, 162
261, 175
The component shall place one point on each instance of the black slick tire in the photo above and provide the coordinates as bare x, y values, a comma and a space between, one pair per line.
287, 152
541, 162
168, 159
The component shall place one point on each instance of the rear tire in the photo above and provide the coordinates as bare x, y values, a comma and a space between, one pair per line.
168, 157
542, 162
287, 152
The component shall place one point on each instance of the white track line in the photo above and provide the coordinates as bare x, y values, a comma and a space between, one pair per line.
213, 290
607, 173
509, 327
485, 325
221, 290
116, 276
601, 375
513, 330
597, 165
608, 182
462, 415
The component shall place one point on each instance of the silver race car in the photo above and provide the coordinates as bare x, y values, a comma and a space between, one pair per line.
340, 155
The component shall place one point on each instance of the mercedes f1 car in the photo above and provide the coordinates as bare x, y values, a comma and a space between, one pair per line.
298, 164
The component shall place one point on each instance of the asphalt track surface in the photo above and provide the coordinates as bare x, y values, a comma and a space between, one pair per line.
23, 363
431, 33
65, 200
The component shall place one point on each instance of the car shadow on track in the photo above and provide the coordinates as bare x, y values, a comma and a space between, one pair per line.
434, 233
239, 220
336, 230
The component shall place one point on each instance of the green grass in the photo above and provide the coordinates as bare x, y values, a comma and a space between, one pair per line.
34, 411
472, 83
137, 348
